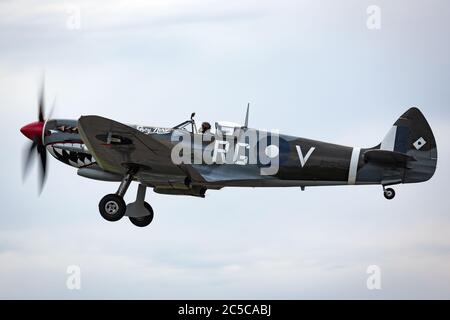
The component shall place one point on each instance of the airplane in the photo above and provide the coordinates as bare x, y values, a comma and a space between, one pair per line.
183, 161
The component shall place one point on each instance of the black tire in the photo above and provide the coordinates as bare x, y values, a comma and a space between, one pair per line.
143, 221
389, 193
112, 207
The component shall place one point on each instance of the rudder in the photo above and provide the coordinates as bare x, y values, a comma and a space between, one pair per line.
413, 136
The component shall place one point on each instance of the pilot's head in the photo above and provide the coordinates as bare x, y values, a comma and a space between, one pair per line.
205, 127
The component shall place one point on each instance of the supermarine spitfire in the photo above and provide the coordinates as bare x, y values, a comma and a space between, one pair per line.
182, 161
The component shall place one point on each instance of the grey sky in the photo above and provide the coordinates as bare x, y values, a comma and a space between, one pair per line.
309, 68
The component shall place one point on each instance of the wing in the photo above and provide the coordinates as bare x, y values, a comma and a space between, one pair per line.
117, 147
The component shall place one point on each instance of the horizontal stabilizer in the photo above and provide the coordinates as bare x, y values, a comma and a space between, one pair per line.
388, 157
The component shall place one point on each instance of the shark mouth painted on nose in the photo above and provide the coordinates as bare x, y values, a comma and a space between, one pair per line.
73, 154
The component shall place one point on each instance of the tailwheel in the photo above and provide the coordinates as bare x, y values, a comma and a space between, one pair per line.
145, 220
389, 193
112, 207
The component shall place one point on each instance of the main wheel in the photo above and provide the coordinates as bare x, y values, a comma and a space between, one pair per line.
112, 207
145, 220
389, 193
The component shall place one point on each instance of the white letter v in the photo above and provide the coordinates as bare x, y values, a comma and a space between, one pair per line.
304, 159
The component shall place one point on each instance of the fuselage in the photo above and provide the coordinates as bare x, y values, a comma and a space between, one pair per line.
302, 162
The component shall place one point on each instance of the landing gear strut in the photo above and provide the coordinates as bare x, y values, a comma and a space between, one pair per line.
389, 193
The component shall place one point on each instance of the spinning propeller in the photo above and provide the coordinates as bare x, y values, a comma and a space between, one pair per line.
34, 131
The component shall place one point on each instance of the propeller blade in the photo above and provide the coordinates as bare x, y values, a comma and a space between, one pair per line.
29, 157
38, 143
43, 167
42, 102
49, 116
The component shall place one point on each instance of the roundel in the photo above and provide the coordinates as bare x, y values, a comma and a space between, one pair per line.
275, 148
272, 151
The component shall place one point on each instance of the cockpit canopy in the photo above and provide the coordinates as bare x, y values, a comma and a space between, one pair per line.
223, 128
227, 128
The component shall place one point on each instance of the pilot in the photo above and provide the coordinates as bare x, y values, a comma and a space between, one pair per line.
206, 128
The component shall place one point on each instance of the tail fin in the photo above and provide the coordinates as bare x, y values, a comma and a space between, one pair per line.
412, 135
